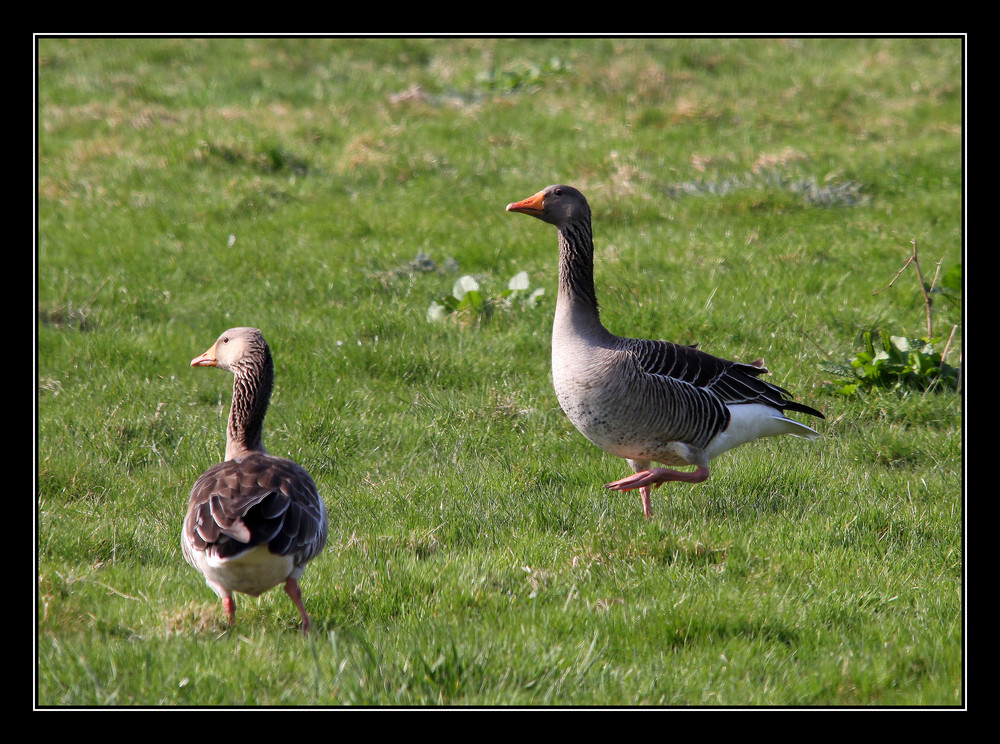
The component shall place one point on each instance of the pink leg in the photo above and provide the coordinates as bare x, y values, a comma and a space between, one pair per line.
647, 501
654, 477
293, 591
229, 605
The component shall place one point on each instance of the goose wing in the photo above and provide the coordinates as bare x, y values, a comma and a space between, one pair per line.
258, 499
729, 382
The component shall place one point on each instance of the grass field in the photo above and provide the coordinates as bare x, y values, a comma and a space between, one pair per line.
749, 195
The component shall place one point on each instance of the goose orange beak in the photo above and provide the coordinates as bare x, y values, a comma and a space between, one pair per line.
532, 205
205, 360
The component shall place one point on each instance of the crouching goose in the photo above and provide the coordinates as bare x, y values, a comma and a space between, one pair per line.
255, 520
646, 401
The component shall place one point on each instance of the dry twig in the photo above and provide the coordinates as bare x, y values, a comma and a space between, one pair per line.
923, 287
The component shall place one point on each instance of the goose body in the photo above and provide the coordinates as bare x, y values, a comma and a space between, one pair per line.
255, 520
645, 400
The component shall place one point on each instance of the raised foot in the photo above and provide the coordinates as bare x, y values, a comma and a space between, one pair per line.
655, 476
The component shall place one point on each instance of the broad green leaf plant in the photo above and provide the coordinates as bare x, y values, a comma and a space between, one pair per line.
899, 362
467, 301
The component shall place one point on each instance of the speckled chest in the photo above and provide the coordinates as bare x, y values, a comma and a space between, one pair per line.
612, 416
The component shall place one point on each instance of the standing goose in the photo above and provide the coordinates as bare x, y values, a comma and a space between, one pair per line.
639, 399
255, 520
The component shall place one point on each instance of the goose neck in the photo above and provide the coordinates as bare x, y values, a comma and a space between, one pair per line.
251, 396
577, 296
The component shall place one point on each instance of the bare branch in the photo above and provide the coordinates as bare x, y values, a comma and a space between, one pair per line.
880, 291
923, 287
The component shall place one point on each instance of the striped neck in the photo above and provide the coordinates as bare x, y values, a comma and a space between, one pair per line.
251, 396
576, 265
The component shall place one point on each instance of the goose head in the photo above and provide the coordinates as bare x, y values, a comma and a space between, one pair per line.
558, 205
232, 349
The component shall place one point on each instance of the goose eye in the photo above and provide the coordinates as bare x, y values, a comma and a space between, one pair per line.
557, 192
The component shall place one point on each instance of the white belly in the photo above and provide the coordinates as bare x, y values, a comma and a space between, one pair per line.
253, 572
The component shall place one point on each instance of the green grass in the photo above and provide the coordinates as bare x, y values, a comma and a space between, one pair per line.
748, 195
